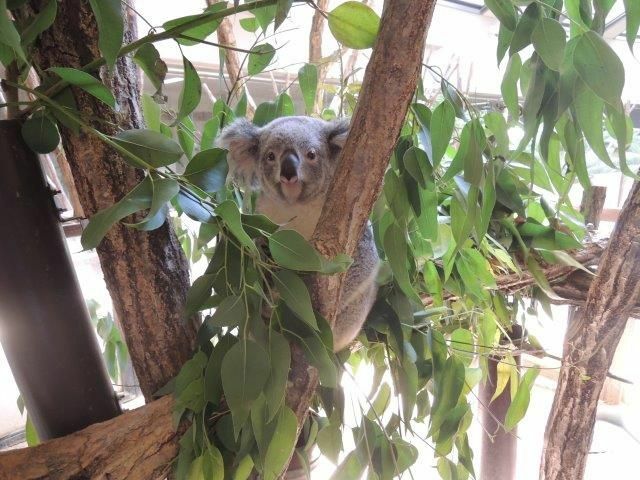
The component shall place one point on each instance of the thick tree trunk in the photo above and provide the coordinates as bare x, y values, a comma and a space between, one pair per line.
146, 273
110, 438
589, 348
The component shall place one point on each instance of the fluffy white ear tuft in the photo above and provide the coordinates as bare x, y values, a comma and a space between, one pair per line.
337, 131
242, 139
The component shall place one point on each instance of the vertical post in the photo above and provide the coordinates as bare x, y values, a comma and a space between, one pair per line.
499, 448
45, 329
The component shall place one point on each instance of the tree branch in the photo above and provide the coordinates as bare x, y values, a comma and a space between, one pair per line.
138, 444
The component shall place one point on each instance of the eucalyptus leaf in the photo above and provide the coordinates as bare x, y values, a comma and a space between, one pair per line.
632, 14
290, 250
208, 170
308, 81
86, 82
137, 199
599, 66
109, 17
41, 22
442, 123
191, 91
281, 444
520, 403
549, 40
354, 24
40, 134
151, 147
260, 58
245, 370
295, 294
504, 11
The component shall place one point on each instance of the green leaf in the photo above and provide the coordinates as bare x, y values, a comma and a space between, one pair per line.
308, 81
504, 41
164, 189
449, 388
504, 11
137, 199
520, 402
350, 468
417, 164
295, 294
231, 312
30, 433
281, 445
191, 91
86, 82
151, 147
230, 214
354, 25
632, 9
195, 35
473, 141
395, 247
249, 24
151, 112
213, 373
329, 441
282, 10
40, 134
526, 25
260, 57
290, 250
42, 21
549, 40
599, 66
442, 123
590, 112
208, 170
9, 36
108, 15
317, 355
509, 86
274, 390
148, 59
245, 370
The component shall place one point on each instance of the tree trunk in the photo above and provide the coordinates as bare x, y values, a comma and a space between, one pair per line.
232, 61
589, 348
146, 272
315, 50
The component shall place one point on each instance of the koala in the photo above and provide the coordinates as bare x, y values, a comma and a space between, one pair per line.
289, 163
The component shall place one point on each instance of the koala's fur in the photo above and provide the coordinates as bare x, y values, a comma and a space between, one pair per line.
290, 163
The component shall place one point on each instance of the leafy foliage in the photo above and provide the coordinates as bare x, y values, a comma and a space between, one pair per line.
463, 202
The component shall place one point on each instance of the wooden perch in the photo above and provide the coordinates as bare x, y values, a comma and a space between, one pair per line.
138, 444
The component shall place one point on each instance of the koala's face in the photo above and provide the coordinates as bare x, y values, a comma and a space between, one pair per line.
291, 159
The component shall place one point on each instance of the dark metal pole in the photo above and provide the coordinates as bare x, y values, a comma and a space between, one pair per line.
45, 329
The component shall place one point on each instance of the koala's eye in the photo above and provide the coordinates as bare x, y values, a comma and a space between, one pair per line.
311, 154
271, 157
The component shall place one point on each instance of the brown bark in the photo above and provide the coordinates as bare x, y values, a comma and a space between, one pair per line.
146, 273
589, 349
232, 61
315, 49
136, 445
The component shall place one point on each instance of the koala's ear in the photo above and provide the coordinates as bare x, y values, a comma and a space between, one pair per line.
241, 139
337, 131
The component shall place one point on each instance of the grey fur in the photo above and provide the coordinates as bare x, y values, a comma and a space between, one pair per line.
298, 207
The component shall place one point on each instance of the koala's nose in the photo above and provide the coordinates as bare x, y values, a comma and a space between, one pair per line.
289, 168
